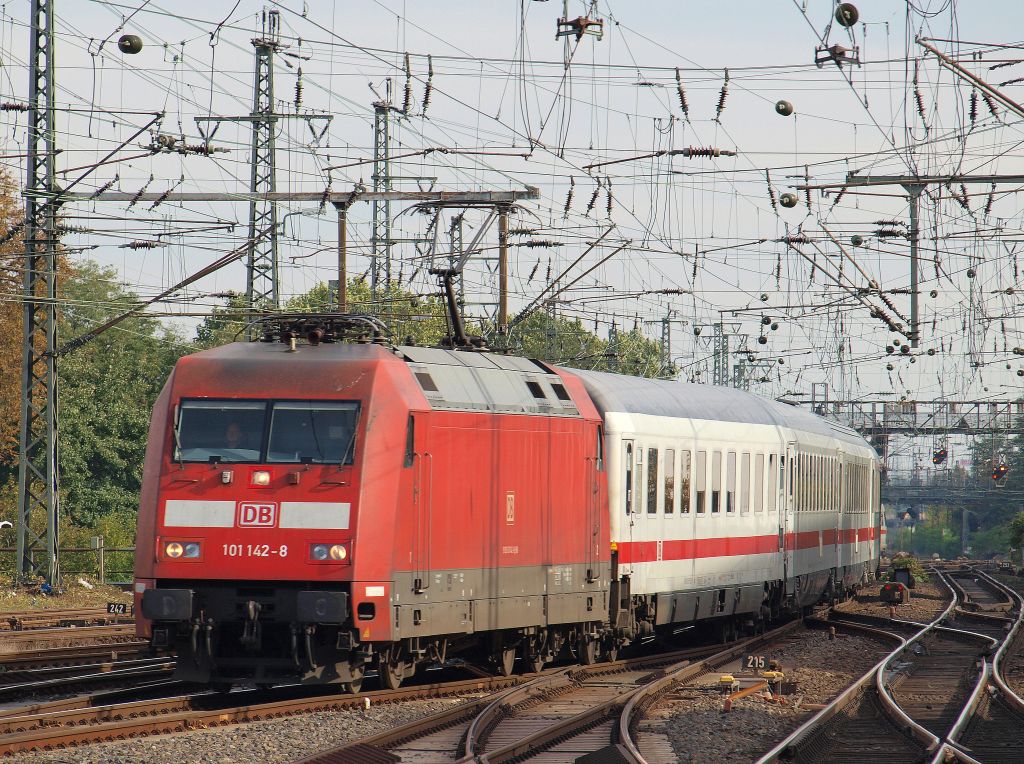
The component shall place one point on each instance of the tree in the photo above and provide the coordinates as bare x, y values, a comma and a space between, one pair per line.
12, 214
107, 390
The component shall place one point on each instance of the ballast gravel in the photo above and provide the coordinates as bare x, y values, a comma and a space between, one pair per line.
698, 730
927, 600
267, 742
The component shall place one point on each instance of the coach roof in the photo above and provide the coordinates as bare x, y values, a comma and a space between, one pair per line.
658, 397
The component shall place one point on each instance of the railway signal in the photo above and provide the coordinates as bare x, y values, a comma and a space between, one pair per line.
1000, 472
939, 456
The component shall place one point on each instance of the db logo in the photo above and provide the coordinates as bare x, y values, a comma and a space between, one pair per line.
256, 513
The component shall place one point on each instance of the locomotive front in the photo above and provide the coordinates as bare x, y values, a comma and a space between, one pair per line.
251, 490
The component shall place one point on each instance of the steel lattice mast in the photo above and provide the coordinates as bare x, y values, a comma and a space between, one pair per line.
261, 289
380, 236
37, 454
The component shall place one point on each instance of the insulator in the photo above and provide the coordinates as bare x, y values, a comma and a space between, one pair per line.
990, 200
608, 191
721, 98
429, 86
568, 197
105, 187
762, 340
993, 109
766, 320
971, 273
547, 274
407, 100
783, 108
973, 111
129, 44
807, 190
683, 104
140, 192
856, 240
298, 88
847, 14
140, 244
534, 271
964, 196
536, 243
800, 238
13, 106
326, 195
705, 151
788, 200
771, 192
521, 232
888, 233
593, 197
920, 106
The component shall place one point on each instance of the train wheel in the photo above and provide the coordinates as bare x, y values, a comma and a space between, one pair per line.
611, 650
506, 660
355, 683
587, 651
532, 655
392, 672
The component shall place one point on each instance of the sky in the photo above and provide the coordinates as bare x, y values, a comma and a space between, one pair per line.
709, 230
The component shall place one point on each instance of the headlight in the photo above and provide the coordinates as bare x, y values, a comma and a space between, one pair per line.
187, 550
259, 479
328, 552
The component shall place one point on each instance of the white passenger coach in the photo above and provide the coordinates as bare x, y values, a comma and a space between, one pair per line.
727, 504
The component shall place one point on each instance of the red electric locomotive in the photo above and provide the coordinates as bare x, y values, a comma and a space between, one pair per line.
314, 508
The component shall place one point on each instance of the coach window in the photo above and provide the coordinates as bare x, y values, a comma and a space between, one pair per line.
773, 483
758, 482
652, 481
745, 483
701, 479
219, 431
628, 482
716, 481
312, 432
668, 501
684, 477
730, 485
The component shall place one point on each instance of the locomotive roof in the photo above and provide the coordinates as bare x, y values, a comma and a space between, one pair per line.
659, 397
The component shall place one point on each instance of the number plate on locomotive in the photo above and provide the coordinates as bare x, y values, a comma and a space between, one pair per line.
117, 608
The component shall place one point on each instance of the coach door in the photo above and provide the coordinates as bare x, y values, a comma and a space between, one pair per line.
787, 502
419, 458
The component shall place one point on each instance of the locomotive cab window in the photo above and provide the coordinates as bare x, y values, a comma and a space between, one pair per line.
317, 432
224, 431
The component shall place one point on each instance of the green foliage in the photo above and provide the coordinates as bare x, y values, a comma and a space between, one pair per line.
913, 565
107, 389
569, 343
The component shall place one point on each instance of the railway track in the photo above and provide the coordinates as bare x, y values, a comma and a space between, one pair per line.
557, 716
155, 709
22, 620
14, 640
937, 697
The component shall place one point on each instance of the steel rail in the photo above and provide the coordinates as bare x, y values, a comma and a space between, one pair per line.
953, 748
44, 729
874, 676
